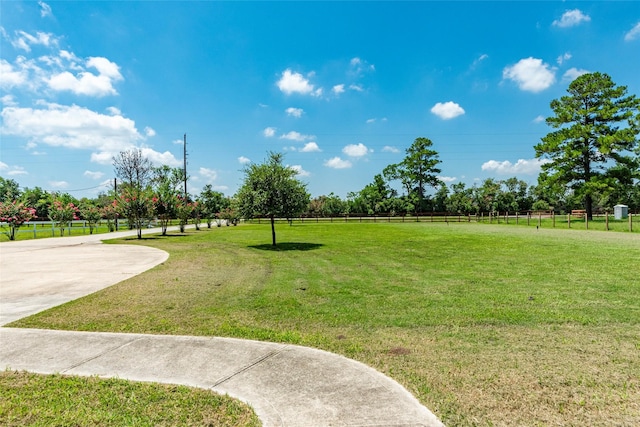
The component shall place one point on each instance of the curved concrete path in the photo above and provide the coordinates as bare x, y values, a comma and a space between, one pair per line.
286, 385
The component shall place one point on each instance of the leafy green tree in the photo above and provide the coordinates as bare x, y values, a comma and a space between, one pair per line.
461, 199
135, 199
166, 182
592, 150
90, 212
212, 202
418, 170
271, 190
9, 190
38, 199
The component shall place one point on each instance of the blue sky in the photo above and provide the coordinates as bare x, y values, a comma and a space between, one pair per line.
343, 88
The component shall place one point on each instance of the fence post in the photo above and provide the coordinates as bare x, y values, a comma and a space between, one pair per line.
630, 222
606, 220
586, 221
539, 218
517, 219
553, 218
569, 219
506, 217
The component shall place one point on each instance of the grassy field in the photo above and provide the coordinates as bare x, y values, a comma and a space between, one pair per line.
485, 324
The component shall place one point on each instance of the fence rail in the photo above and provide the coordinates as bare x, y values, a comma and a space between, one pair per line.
550, 219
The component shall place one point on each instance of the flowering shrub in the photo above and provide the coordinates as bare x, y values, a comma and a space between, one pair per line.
197, 214
164, 207
136, 205
184, 209
92, 214
230, 215
15, 214
62, 214
110, 213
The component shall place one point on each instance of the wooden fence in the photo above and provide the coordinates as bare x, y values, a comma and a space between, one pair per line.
548, 219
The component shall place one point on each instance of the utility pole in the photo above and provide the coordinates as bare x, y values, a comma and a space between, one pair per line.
186, 195
115, 192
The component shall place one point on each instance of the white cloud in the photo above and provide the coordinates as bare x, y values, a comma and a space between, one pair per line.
357, 88
359, 66
447, 110
93, 175
243, 160
12, 76
208, 174
45, 9
114, 111
11, 170
269, 132
571, 18
338, 89
295, 136
58, 184
158, 158
310, 147
522, 166
572, 73
149, 131
337, 163
369, 121
531, 74
565, 57
538, 119
76, 127
291, 82
8, 100
178, 142
86, 83
478, 60
299, 170
356, 150
24, 40
390, 149
295, 112
633, 34
447, 179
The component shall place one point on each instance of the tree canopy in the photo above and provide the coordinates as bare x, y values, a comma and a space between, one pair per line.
592, 150
418, 170
271, 190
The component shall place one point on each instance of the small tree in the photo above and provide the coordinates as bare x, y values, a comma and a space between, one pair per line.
135, 199
211, 203
184, 211
271, 190
90, 213
15, 214
62, 214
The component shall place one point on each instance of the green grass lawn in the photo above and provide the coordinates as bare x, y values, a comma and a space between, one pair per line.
55, 400
485, 324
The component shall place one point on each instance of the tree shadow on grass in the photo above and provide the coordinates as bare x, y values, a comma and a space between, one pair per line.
288, 246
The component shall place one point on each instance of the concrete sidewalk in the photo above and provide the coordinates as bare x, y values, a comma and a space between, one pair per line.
287, 385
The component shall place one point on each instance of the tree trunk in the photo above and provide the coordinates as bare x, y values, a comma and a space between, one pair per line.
273, 231
588, 205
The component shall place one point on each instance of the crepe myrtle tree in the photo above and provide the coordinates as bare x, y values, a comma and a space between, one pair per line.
14, 214
271, 190
594, 149
134, 200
